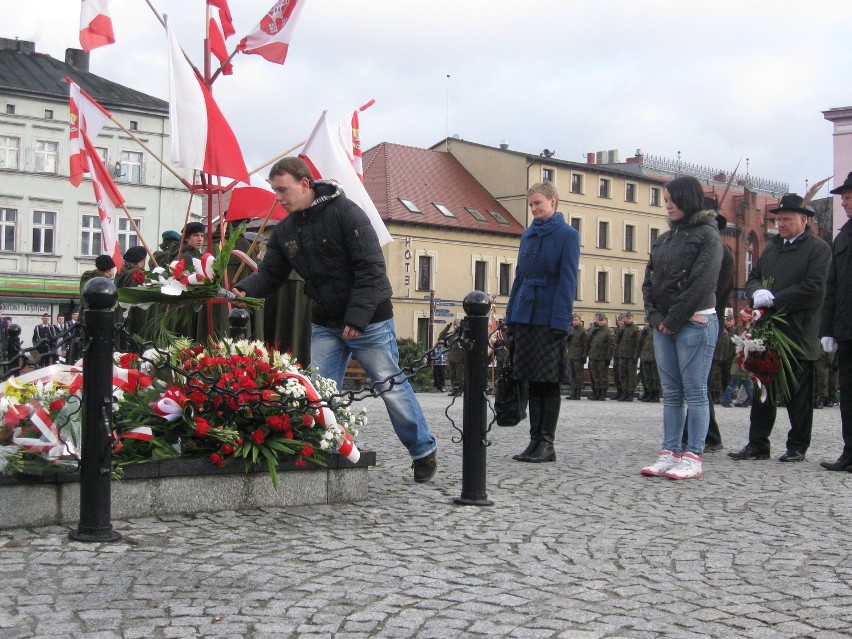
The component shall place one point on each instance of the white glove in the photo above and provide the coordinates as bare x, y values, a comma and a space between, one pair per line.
763, 298
829, 344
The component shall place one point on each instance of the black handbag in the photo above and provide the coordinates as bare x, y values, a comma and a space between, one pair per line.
510, 398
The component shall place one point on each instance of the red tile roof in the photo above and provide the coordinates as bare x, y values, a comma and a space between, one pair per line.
393, 171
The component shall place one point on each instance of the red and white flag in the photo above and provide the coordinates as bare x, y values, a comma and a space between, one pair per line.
201, 137
328, 156
89, 117
224, 16
271, 38
108, 199
218, 48
254, 200
350, 132
95, 24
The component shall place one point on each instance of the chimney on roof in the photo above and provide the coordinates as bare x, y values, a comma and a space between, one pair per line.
638, 158
21, 46
77, 58
590, 158
504, 144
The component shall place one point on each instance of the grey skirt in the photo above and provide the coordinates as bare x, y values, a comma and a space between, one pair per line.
538, 357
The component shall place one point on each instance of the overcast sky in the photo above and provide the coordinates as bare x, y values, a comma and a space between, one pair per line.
716, 80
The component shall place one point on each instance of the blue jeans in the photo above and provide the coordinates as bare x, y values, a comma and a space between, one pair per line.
684, 362
377, 352
734, 387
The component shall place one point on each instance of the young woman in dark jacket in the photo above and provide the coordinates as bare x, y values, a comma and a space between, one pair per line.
680, 299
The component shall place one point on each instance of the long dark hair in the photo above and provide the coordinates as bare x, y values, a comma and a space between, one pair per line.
687, 194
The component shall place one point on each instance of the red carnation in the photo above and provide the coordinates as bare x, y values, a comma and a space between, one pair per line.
127, 360
307, 420
307, 450
258, 437
56, 405
217, 460
202, 426
138, 277
227, 449
300, 462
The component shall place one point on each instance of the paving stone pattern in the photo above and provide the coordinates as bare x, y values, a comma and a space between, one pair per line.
581, 548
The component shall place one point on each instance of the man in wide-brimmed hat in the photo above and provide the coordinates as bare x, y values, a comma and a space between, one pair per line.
836, 324
790, 276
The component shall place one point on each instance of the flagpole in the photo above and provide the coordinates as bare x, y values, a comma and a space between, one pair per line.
254, 241
267, 163
148, 149
223, 65
139, 235
163, 22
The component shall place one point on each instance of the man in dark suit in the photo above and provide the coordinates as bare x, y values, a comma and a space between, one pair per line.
44, 340
790, 276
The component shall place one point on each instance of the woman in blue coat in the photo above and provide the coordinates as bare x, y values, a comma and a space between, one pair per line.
539, 315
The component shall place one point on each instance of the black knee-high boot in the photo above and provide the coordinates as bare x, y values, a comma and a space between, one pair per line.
551, 402
535, 428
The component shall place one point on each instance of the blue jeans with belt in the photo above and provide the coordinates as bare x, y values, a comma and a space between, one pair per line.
377, 352
684, 361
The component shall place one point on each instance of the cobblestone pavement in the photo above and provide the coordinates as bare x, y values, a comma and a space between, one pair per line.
584, 547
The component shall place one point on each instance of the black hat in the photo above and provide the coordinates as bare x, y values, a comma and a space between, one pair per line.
846, 186
192, 228
104, 263
721, 221
135, 254
793, 202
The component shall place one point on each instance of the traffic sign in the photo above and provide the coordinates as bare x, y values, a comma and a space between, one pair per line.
440, 303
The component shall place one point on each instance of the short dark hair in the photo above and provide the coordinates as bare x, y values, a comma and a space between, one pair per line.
292, 166
687, 194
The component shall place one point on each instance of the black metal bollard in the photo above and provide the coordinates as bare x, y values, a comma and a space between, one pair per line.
474, 412
238, 320
13, 349
100, 295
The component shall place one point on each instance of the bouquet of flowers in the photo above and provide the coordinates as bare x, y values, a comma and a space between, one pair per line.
40, 420
766, 353
183, 287
232, 400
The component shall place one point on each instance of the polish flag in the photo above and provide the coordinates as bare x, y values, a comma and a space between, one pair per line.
108, 199
328, 156
251, 201
271, 38
95, 24
201, 137
89, 117
224, 16
218, 48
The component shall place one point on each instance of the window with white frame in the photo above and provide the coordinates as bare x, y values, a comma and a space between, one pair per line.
46, 156
628, 288
10, 152
629, 192
548, 175
10, 109
90, 236
603, 234
749, 262
48, 114
44, 231
656, 200
131, 167
602, 293
629, 237
653, 234
506, 276
604, 187
446, 212
424, 272
480, 276
127, 237
578, 294
576, 183
8, 226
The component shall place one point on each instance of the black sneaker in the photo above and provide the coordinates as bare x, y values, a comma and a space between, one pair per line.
425, 467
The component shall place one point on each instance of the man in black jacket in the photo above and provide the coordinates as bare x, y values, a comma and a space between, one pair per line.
790, 276
330, 242
836, 325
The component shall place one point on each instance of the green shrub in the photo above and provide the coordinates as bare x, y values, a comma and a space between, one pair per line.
410, 356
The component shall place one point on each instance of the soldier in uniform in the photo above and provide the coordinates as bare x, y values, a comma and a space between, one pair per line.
625, 353
577, 342
616, 372
601, 347
648, 364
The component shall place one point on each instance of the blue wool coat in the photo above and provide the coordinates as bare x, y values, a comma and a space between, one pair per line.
546, 275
